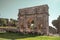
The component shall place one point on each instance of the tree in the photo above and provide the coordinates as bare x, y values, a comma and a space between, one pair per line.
6, 22
56, 23
13, 22
3, 22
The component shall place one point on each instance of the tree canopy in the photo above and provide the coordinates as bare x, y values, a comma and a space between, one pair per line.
56, 23
6, 22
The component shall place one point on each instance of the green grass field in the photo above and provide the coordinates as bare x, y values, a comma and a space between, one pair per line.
17, 36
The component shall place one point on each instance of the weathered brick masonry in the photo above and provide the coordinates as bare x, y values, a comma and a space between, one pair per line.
34, 19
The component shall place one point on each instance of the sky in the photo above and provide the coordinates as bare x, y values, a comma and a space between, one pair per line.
9, 8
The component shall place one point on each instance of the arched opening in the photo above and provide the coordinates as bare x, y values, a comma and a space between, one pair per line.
40, 26
30, 23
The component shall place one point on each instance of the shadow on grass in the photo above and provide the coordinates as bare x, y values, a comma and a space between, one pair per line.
14, 36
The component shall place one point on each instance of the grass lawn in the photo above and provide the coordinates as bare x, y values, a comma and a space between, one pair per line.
17, 36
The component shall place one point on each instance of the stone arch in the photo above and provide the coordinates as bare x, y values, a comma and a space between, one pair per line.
30, 23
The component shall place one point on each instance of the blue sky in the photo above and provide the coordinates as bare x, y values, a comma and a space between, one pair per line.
9, 8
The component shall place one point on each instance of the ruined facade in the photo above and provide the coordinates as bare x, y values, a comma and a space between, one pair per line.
34, 19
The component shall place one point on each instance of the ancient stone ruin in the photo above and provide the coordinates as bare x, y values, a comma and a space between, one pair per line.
34, 19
